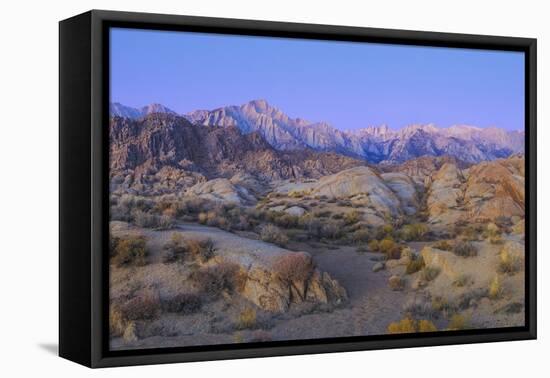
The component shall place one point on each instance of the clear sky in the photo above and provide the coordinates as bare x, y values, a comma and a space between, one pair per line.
350, 85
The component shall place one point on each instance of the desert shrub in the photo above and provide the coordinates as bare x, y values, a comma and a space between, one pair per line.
297, 193
396, 283
323, 214
465, 249
201, 250
331, 229
458, 322
130, 251
246, 319
374, 245
426, 326
117, 323
429, 273
415, 264
287, 221
470, 233
142, 307
148, 220
415, 231
352, 217
338, 216
406, 325
214, 280
389, 248
272, 234
360, 236
293, 267
184, 303
175, 250
444, 245
509, 263
441, 304
495, 288
202, 218
345, 203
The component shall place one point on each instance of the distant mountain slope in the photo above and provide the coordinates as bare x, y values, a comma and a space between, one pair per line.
148, 144
117, 109
374, 144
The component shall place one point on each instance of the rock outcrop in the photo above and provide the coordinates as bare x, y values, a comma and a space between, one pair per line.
222, 190
363, 185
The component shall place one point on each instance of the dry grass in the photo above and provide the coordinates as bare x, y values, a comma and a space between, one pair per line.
246, 319
390, 248
272, 234
182, 303
212, 281
406, 325
458, 322
426, 326
293, 267
509, 263
495, 288
415, 264
465, 249
129, 251
429, 273
396, 283
443, 245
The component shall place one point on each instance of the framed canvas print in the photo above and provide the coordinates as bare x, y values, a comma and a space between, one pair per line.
233, 188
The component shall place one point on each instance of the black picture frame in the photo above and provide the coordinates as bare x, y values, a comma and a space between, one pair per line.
83, 196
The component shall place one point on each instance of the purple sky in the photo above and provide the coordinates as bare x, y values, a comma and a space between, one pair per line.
350, 85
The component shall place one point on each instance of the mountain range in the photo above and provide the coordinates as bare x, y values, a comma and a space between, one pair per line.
375, 144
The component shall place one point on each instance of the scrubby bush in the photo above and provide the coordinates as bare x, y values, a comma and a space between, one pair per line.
117, 323
360, 236
443, 245
201, 250
214, 280
142, 307
374, 245
293, 267
415, 231
148, 220
415, 264
352, 217
429, 273
406, 325
396, 283
389, 248
178, 249
426, 326
509, 263
495, 288
465, 249
129, 251
458, 322
182, 303
331, 229
272, 234
246, 319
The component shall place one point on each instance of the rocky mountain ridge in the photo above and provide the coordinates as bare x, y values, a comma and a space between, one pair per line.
376, 144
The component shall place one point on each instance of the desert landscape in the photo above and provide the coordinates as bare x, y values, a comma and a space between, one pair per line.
242, 224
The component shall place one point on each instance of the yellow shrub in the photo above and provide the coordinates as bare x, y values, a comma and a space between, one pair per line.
495, 288
458, 322
426, 326
406, 325
247, 318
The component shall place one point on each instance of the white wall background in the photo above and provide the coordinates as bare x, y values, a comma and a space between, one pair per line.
29, 186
